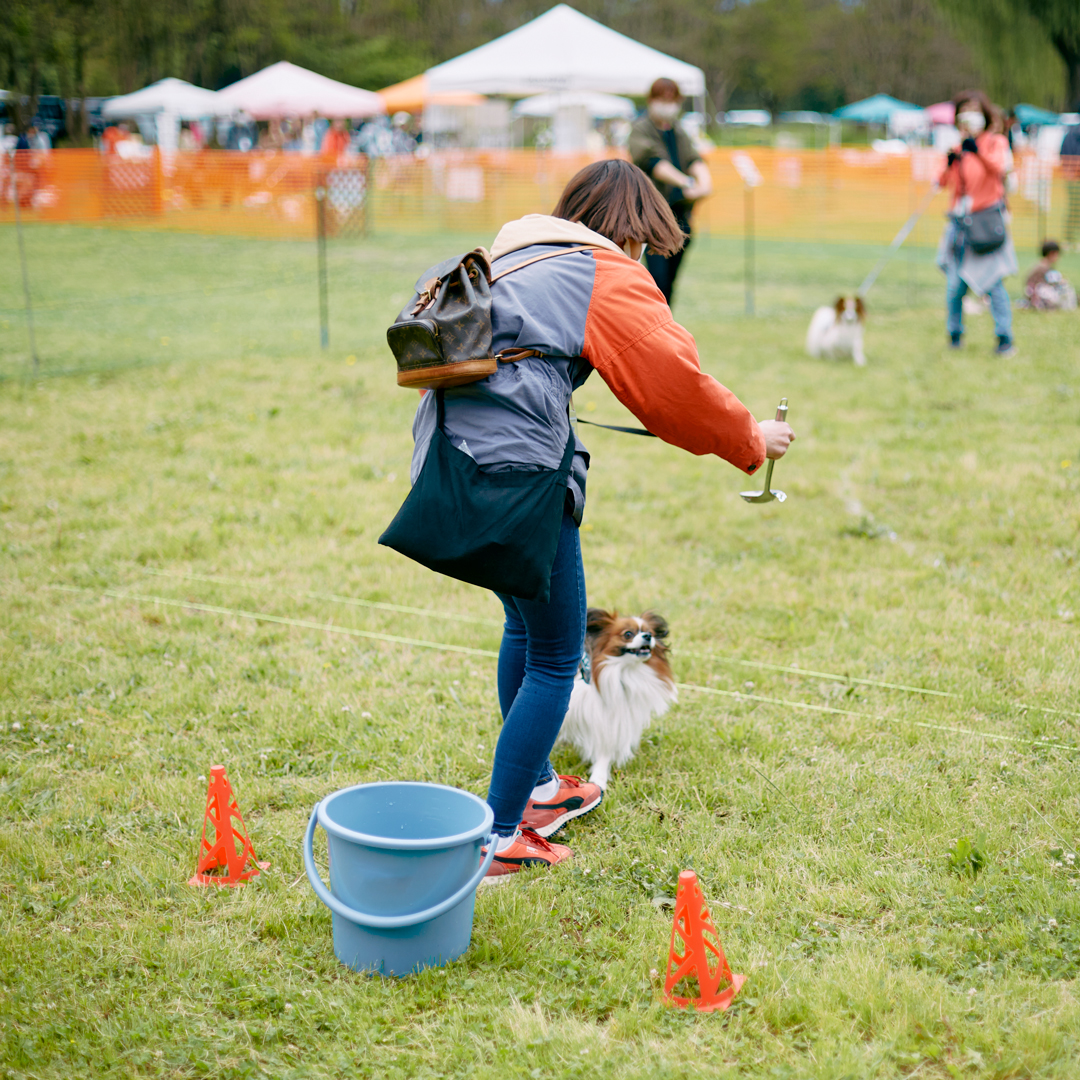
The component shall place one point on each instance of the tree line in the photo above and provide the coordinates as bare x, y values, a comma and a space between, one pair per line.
777, 54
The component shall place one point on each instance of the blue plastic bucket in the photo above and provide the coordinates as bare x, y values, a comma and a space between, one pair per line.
404, 867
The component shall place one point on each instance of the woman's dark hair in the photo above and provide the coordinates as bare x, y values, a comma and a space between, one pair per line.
617, 200
985, 104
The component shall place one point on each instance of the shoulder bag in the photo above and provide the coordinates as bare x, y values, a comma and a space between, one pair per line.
984, 230
498, 530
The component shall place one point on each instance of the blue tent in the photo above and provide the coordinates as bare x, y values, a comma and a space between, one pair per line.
874, 110
1032, 114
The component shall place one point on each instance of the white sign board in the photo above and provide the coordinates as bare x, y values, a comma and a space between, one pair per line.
745, 167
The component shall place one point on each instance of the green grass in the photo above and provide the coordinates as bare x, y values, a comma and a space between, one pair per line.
899, 885
105, 299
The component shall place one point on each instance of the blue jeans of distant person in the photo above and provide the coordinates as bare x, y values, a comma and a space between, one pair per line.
1000, 306
538, 659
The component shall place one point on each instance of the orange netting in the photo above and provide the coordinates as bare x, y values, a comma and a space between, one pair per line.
832, 196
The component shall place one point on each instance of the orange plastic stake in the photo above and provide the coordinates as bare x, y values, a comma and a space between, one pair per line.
694, 954
231, 850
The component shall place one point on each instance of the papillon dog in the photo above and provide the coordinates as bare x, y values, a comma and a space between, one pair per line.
623, 682
837, 331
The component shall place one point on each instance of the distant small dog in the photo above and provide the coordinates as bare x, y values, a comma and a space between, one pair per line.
623, 683
837, 332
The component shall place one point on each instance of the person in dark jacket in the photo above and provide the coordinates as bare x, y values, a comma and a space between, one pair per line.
594, 308
664, 152
1070, 166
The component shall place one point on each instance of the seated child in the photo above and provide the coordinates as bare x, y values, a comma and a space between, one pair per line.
1047, 288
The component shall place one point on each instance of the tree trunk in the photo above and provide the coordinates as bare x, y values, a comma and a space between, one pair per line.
1068, 47
1072, 69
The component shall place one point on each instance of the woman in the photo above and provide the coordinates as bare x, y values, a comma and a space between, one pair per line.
975, 177
660, 148
592, 309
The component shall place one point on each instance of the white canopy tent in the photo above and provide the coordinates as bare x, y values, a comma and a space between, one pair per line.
167, 102
566, 51
165, 96
598, 106
283, 89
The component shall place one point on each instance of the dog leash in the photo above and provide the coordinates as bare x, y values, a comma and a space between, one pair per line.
900, 237
571, 412
614, 427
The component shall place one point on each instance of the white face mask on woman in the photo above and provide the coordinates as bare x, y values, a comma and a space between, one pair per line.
664, 112
974, 122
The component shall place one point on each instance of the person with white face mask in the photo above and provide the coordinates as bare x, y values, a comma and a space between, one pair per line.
664, 152
976, 250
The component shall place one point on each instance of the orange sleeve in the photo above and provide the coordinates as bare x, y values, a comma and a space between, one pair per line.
651, 365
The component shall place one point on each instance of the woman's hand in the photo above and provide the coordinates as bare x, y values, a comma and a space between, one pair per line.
970, 145
778, 437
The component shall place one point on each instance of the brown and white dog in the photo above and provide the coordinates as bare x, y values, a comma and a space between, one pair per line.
623, 683
837, 332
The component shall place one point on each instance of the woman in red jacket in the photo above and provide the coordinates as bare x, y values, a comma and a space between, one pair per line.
975, 177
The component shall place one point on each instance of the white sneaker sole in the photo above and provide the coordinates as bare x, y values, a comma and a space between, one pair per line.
551, 829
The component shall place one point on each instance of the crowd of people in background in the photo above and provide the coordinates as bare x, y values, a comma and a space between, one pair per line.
313, 136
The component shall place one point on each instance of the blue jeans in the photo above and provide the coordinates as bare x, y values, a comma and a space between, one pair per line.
1000, 305
538, 658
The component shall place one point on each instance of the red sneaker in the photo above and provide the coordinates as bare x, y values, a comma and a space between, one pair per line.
574, 798
528, 849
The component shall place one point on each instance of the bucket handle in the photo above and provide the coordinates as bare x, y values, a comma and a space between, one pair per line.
385, 922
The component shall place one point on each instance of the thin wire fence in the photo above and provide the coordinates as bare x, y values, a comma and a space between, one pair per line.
133, 261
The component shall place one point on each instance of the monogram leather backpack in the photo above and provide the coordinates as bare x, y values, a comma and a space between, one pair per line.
442, 337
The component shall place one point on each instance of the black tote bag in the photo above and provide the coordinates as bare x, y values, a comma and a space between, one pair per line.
496, 530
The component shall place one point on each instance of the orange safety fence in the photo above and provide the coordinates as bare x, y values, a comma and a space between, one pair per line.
836, 195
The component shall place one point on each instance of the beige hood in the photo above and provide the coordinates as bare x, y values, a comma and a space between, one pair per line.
544, 229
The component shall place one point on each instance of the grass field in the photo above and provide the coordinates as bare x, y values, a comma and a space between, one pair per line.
894, 871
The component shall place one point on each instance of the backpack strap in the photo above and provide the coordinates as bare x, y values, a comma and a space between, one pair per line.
512, 356
540, 258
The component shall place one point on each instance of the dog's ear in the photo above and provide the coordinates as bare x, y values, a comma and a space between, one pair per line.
657, 624
596, 619
840, 304
860, 307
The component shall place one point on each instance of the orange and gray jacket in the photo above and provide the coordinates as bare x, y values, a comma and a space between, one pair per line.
591, 310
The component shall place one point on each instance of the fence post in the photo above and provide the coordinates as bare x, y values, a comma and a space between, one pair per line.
1041, 207
369, 190
748, 246
320, 227
751, 178
911, 247
22, 258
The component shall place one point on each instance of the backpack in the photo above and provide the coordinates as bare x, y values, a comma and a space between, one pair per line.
442, 337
